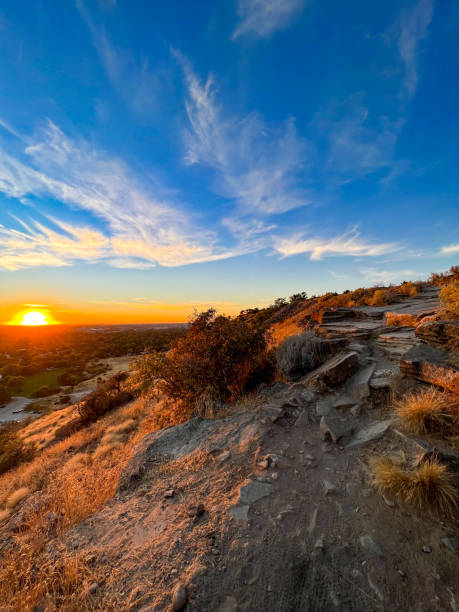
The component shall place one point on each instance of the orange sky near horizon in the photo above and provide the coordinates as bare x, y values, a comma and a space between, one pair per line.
112, 313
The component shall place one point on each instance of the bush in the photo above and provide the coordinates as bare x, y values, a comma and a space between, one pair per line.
104, 399
408, 288
381, 297
449, 299
300, 354
395, 319
220, 357
12, 451
45, 391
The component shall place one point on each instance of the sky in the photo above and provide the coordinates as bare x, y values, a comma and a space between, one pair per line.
157, 157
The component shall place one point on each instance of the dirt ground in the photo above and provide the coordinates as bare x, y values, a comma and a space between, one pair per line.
300, 548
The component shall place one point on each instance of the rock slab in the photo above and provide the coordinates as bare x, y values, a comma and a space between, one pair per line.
375, 431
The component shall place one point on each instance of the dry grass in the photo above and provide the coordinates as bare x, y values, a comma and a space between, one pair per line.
409, 289
60, 584
429, 485
17, 497
396, 319
124, 427
449, 299
381, 297
428, 411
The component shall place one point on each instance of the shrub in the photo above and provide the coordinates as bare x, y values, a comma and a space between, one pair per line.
427, 485
409, 289
219, 356
449, 299
105, 398
428, 411
100, 402
396, 319
12, 450
299, 354
381, 297
45, 391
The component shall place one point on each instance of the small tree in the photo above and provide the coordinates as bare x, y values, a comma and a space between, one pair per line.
218, 358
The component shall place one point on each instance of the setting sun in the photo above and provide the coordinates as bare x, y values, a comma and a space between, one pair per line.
34, 317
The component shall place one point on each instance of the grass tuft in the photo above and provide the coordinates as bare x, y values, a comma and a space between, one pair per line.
429, 411
427, 485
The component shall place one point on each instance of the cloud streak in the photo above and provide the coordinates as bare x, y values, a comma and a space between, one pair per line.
261, 18
450, 250
256, 165
413, 26
348, 244
139, 225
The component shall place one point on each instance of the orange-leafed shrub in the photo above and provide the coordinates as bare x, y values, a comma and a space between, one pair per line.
409, 289
381, 297
396, 319
220, 357
449, 299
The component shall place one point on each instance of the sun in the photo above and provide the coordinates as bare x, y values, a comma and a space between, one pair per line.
34, 317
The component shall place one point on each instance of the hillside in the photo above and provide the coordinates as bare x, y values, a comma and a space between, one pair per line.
327, 485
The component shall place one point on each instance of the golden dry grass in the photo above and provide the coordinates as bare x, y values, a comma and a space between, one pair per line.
428, 411
428, 485
123, 427
396, 319
60, 584
17, 497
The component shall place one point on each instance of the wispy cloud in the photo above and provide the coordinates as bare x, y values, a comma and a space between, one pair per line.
39, 245
261, 18
359, 142
256, 165
132, 77
450, 250
413, 25
140, 226
348, 244
360, 138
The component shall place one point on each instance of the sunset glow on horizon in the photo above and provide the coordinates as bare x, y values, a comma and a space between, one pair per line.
32, 318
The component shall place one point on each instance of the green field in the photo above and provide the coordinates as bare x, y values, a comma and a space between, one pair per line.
42, 379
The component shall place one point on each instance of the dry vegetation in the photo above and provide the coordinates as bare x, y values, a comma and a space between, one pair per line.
65, 484
429, 411
299, 354
428, 485
395, 319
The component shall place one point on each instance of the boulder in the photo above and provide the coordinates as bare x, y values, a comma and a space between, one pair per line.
437, 333
181, 440
334, 428
335, 371
358, 387
371, 433
430, 365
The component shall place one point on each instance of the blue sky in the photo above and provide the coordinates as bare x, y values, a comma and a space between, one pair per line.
226, 152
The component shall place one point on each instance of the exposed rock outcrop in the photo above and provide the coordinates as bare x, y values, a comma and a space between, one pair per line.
333, 372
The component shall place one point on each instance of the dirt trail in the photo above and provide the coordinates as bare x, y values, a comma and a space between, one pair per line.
301, 547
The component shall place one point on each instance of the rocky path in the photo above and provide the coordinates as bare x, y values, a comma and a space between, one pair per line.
265, 512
